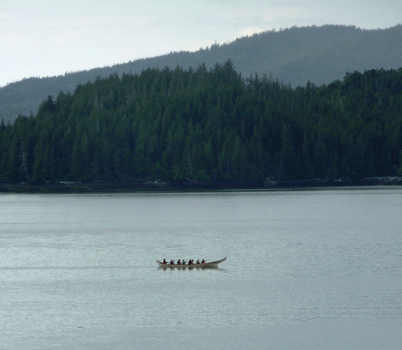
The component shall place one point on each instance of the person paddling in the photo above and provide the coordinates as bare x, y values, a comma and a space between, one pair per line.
164, 261
178, 262
203, 261
171, 262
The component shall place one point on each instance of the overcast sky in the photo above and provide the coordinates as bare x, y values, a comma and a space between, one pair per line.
45, 38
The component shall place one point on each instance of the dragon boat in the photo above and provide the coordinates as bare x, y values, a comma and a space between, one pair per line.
206, 265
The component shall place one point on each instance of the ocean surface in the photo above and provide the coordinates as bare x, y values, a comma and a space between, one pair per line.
319, 269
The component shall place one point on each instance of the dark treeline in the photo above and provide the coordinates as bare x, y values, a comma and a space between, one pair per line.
209, 125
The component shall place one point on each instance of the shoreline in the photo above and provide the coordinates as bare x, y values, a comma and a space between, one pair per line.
191, 186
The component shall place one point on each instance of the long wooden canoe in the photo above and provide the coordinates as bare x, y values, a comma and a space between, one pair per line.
208, 264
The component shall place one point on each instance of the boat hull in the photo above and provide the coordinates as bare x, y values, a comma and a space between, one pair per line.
207, 265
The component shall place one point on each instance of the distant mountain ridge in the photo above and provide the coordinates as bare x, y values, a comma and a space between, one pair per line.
295, 56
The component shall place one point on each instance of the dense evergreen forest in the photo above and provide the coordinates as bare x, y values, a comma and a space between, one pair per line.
295, 55
209, 125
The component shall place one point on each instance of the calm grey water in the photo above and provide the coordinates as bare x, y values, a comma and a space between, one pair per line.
305, 270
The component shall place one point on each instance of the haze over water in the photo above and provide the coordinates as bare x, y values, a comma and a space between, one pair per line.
304, 270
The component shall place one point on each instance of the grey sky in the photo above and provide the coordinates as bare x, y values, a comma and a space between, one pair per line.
46, 38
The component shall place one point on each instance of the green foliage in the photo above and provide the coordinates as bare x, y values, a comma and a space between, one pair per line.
209, 125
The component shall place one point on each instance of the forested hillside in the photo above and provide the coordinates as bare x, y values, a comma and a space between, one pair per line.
209, 125
296, 56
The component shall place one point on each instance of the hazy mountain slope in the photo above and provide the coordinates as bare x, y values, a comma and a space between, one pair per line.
295, 56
